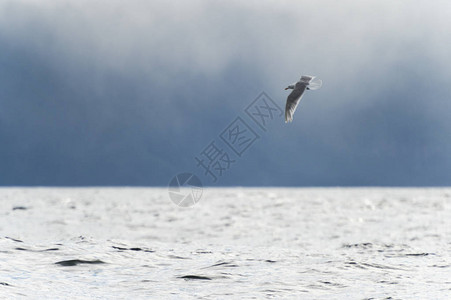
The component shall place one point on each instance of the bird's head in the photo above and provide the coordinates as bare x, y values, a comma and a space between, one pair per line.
290, 87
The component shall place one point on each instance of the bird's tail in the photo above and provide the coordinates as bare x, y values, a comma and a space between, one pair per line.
315, 84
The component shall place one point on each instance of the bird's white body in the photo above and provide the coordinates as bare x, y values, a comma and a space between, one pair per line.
306, 82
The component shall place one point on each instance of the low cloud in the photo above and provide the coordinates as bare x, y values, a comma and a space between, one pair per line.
125, 85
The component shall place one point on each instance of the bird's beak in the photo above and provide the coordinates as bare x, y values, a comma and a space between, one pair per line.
286, 89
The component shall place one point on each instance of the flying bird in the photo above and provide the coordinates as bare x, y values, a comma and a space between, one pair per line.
306, 82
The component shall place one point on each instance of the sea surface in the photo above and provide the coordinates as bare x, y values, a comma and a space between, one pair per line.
235, 243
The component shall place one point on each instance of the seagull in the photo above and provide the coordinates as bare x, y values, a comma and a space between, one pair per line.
306, 82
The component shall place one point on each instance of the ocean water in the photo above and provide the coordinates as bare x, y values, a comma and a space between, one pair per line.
235, 243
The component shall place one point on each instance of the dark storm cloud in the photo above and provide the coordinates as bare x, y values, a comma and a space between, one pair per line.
108, 94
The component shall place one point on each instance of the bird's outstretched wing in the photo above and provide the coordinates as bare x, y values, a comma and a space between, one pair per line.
306, 78
292, 102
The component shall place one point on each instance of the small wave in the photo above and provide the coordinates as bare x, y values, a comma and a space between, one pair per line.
194, 277
132, 249
75, 262
223, 264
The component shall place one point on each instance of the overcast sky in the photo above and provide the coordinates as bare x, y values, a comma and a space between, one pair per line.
131, 92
